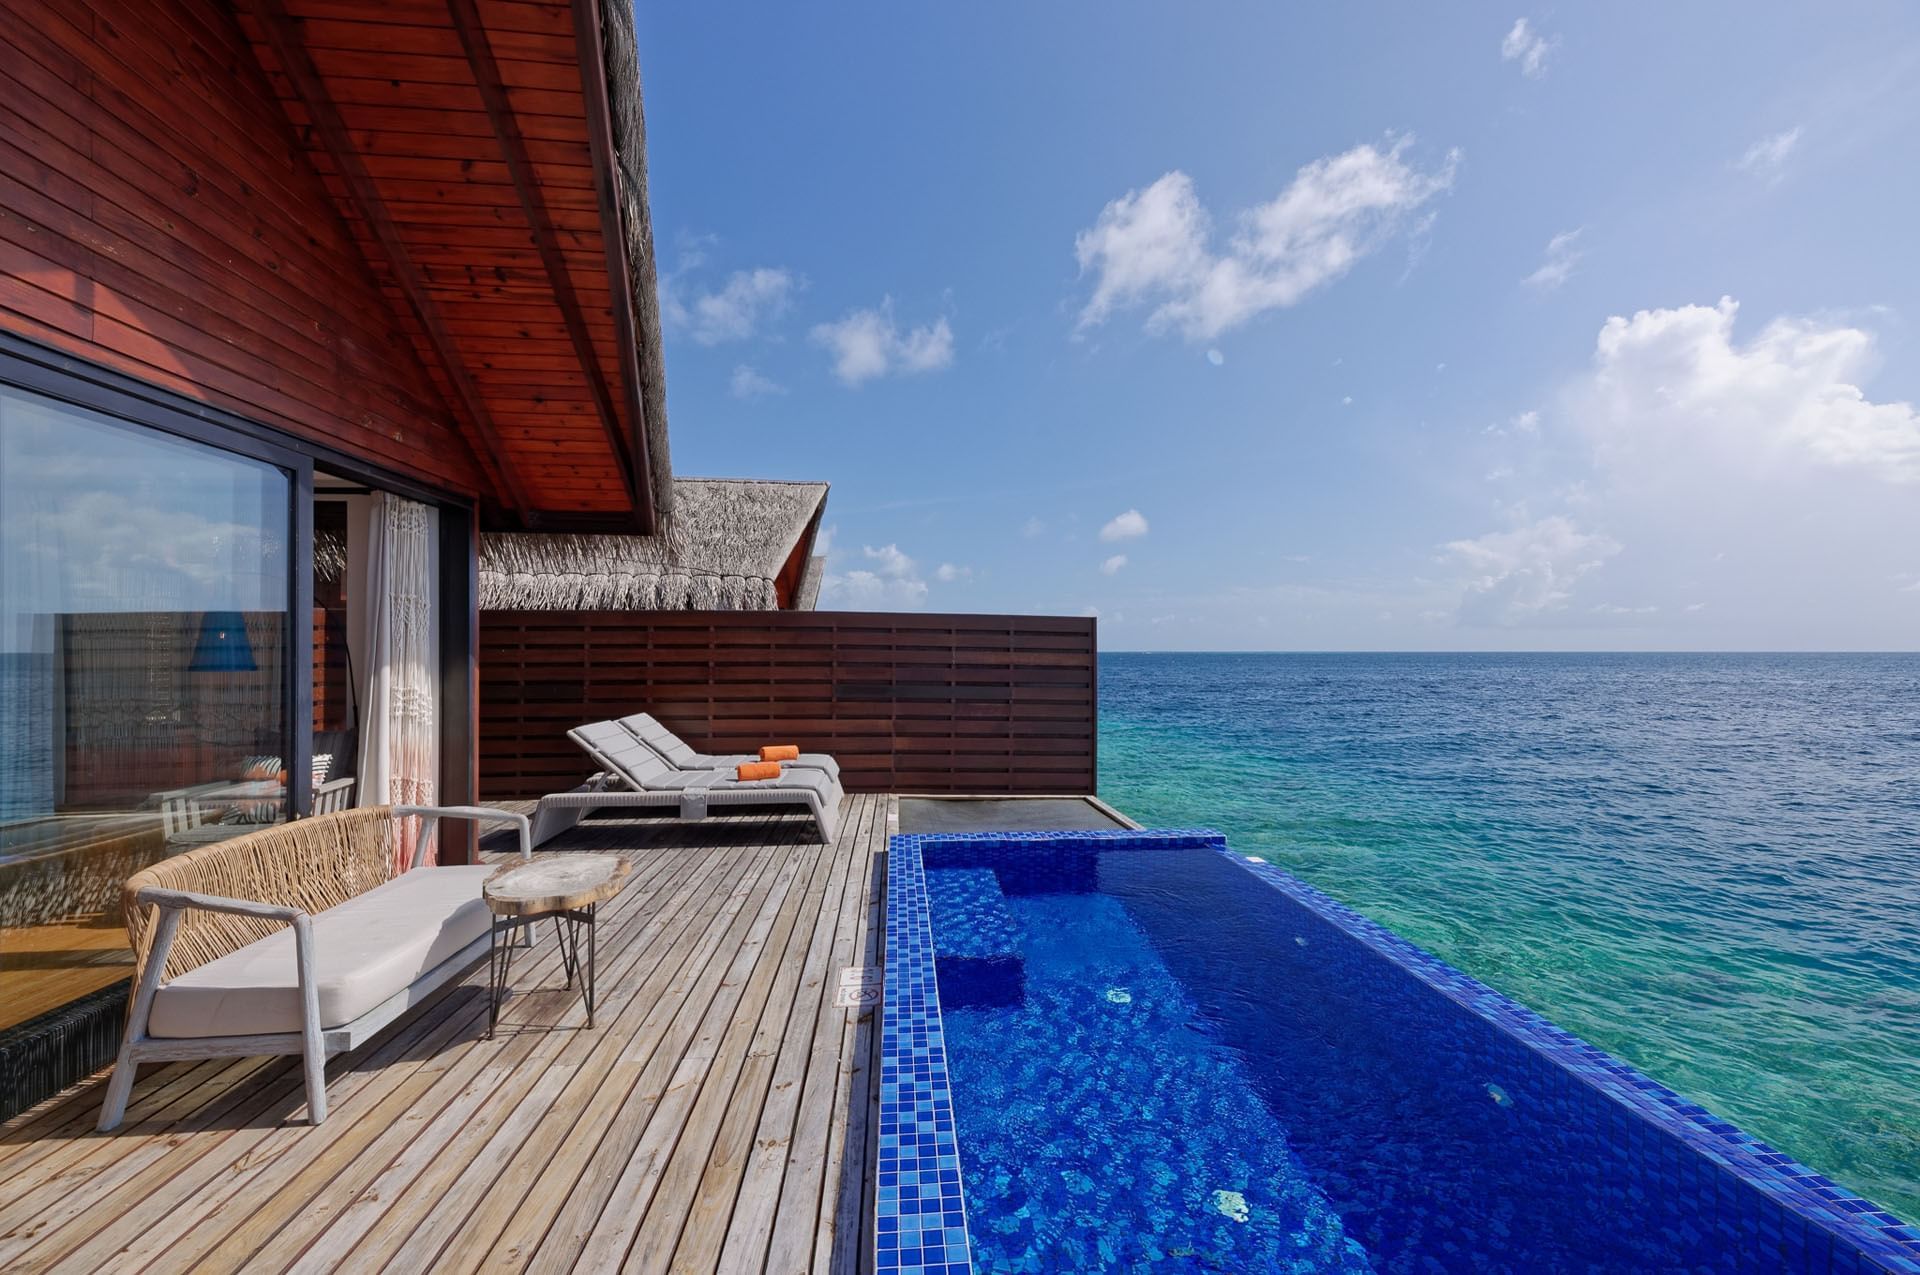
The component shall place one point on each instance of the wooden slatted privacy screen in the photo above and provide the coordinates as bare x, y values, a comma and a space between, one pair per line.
906, 702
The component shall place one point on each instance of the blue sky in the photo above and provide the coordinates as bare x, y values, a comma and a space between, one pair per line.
1313, 327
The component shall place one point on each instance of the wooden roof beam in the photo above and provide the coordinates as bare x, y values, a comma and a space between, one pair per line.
305, 77
506, 128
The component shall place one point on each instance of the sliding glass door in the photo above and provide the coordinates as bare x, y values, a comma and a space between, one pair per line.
145, 701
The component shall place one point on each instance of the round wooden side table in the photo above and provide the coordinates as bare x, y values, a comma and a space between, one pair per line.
567, 887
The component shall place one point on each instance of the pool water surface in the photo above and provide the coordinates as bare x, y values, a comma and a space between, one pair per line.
1162, 1057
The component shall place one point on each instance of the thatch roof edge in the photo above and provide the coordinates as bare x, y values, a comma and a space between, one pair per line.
621, 53
731, 540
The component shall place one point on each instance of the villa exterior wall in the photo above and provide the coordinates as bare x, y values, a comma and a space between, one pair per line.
158, 217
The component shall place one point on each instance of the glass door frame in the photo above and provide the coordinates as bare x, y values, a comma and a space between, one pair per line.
38, 369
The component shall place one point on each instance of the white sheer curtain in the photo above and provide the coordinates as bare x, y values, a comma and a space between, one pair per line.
399, 734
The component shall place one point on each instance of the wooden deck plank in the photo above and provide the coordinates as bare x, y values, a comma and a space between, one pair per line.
760, 1116
846, 1246
531, 1040
451, 1165
745, 1244
537, 1121
645, 1211
606, 1105
477, 1221
60, 1145
173, 1196
629, 1146
800, 1212
721, 1121
675, 1133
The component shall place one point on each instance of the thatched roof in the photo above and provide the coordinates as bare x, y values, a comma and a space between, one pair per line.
621, 52
725, 550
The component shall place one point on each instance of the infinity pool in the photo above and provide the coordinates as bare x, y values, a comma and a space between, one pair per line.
1139, 1051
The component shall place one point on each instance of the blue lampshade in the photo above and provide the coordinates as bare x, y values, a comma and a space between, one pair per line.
222, 646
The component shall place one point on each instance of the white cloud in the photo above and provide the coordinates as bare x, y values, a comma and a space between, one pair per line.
1767, 158
893, 563
1153, 246
1688, 433
1112, 565
1527, 422
1517, 575
892, 580
1033, 527
1673, 388
1562, 255
868, 344
948, 573
748, 383
747, 299
1529, 48
1126, 526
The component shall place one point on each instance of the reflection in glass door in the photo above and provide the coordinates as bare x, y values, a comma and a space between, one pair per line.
144, 599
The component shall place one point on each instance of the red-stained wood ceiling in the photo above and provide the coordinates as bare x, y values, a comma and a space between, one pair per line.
459, 140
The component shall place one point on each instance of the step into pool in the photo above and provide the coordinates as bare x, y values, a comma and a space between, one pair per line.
1142, 1051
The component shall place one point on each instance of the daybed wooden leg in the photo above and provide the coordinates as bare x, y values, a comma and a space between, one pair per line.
316, 1066
313, 1048
120, 1087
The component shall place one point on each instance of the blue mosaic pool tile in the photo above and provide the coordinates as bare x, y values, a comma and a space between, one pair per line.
1756, 1199
976, 941
920, 1210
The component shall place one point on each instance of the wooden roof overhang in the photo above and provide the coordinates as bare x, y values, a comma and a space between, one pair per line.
473, 150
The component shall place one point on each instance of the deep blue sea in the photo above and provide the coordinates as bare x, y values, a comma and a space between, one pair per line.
1706, 864
26, 714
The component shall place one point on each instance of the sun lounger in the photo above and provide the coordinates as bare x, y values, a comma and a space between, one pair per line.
634, 775
648, 730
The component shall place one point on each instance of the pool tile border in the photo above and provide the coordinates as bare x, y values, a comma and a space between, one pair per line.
920, 1214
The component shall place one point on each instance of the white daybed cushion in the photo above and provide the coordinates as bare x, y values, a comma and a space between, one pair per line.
365, 950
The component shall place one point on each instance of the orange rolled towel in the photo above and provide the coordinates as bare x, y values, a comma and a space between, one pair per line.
758, 770
780, 752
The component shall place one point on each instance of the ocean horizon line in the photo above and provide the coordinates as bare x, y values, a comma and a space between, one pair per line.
1500, 651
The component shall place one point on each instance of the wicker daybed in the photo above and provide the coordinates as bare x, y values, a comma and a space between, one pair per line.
297, 939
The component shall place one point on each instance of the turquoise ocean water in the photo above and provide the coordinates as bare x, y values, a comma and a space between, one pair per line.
1707, 864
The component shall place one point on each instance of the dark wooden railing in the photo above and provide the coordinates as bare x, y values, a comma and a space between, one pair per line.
906, 702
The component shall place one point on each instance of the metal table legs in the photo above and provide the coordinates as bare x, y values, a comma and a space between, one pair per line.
566, 927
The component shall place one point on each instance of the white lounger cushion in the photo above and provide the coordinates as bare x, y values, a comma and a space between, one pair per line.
365, 950
670, 746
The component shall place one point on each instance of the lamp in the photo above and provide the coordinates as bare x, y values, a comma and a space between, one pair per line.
222, 646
